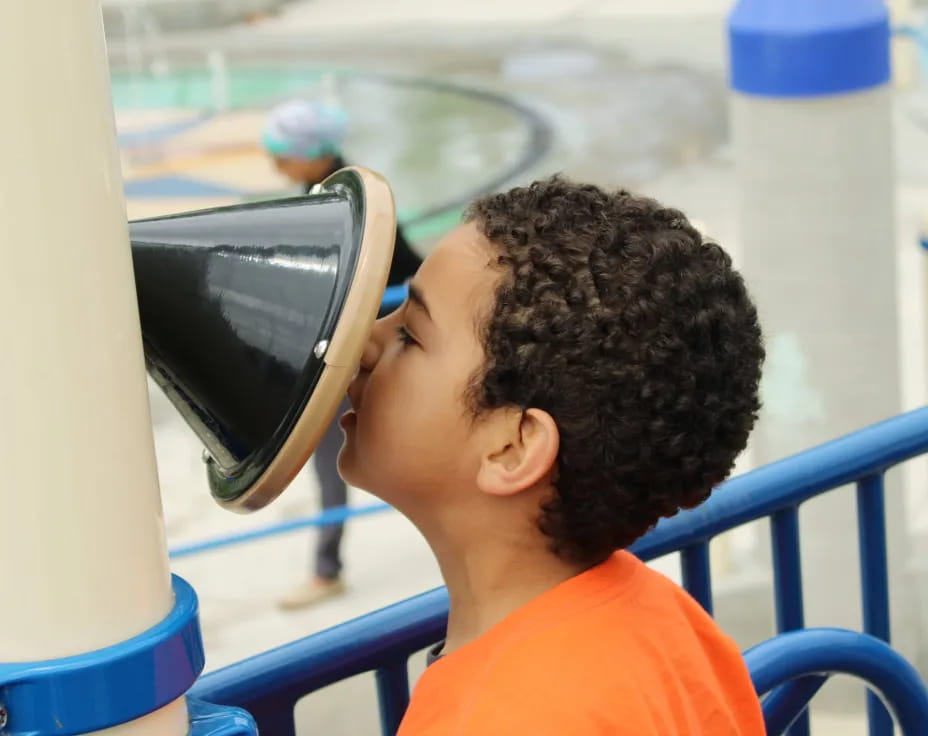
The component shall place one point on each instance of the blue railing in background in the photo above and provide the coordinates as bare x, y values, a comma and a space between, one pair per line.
788, 669
776, 491
334, 515
393, 296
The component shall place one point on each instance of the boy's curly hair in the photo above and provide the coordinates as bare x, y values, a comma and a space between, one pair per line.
636, 336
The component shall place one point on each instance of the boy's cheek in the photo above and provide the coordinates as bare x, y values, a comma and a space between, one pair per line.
398, 429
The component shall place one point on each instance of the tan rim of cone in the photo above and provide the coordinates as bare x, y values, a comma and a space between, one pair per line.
344, 351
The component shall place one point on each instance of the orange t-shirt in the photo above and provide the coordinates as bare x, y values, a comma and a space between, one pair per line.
619, 649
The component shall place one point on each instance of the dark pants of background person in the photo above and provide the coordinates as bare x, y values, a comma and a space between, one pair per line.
334, 493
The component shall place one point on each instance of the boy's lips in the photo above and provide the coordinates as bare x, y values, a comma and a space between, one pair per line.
354, 395
350, 417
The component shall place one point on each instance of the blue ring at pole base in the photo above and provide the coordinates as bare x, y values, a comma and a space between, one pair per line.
107, 687
808, 48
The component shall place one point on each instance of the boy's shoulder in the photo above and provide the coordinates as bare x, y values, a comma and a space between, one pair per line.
613, 624
612, 648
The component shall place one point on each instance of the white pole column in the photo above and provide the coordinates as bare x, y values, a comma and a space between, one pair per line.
82, 551
813, 141
904, 48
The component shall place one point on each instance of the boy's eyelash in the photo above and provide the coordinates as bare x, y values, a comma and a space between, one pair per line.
404, 336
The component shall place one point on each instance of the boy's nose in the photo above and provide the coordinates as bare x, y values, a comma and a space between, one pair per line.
373, 347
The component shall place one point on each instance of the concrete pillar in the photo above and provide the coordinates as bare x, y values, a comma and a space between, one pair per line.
813, 140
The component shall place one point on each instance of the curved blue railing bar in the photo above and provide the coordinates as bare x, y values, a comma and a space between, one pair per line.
817, 653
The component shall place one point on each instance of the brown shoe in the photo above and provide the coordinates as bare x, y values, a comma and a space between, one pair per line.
310, 592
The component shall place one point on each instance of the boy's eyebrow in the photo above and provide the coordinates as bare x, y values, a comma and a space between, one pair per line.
415, 297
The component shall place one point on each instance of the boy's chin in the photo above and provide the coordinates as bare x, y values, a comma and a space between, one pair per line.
352, 474
365, 479
346, 468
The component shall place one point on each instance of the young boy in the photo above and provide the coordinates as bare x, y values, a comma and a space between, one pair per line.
571, 366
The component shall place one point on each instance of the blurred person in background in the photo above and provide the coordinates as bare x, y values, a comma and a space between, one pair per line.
303, 139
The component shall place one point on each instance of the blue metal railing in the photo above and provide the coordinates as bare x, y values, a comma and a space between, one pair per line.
326, 517
791, 667
393, 296
794, 664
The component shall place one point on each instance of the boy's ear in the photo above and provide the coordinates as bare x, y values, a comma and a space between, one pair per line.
521, 450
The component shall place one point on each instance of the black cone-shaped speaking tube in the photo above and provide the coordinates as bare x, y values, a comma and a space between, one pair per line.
254, 318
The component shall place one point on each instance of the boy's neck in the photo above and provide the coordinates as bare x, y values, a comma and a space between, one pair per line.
491, 574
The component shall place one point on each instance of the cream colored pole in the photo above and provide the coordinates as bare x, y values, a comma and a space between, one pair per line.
82, 549
904, 48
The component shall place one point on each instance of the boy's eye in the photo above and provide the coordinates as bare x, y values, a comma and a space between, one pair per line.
404, 336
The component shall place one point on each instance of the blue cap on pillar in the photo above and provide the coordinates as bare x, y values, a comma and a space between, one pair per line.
807, 48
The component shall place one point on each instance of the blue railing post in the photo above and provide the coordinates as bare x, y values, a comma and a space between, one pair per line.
874, 581
787, 570
697, 578
393, 694
787, 586
785, 707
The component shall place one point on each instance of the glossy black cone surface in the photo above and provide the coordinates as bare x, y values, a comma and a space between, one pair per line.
237, 306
